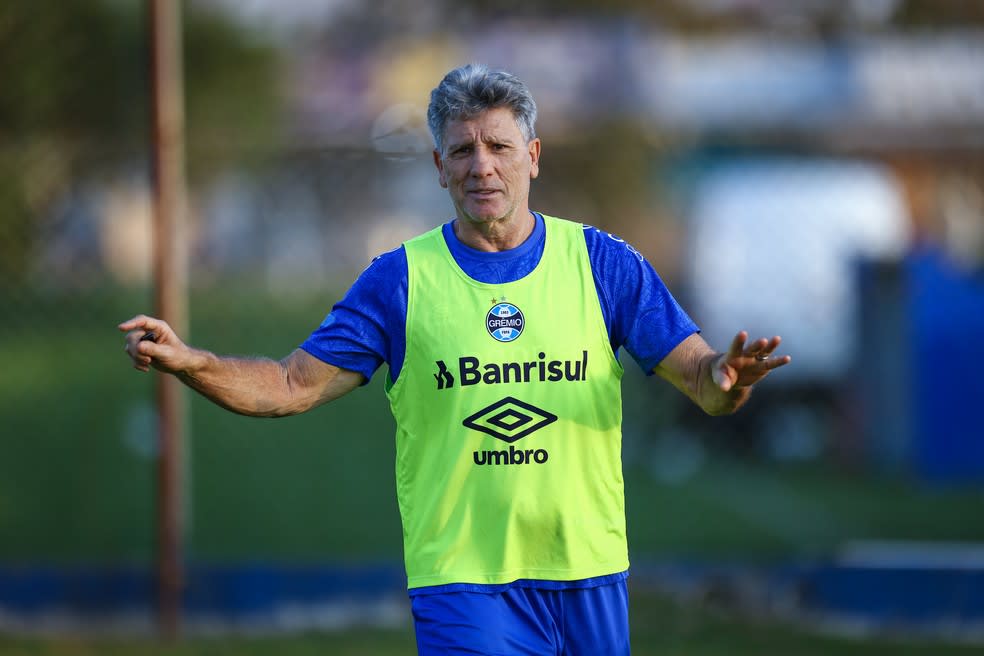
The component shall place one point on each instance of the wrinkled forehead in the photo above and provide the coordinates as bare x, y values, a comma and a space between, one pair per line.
497, 122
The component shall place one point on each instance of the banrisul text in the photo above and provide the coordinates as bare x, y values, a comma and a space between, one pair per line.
471, 371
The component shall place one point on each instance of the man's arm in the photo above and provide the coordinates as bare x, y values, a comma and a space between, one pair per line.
259, 387
720, 383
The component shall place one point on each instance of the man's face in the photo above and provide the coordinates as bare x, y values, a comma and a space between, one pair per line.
487, 166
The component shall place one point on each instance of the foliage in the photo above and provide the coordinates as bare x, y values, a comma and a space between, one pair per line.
74, 101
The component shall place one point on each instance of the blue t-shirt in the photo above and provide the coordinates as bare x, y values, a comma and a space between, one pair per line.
368, 326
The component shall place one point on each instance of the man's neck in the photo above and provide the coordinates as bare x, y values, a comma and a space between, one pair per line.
495, 236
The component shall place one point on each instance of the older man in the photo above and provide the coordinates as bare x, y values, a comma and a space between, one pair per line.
501, 330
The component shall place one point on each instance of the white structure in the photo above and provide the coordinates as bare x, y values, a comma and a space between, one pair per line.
775, 244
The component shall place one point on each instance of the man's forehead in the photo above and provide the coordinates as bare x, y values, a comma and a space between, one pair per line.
498, 121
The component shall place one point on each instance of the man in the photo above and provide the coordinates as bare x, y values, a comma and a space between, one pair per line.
500, 329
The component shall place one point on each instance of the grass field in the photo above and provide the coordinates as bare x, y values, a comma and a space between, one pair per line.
76, 463
77, 484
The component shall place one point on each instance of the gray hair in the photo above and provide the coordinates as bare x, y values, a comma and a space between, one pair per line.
472, 89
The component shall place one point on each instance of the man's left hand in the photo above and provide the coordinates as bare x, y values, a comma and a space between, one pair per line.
746, 364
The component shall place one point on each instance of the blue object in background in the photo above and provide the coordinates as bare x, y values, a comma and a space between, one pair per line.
947, 367
896, 596
246, 595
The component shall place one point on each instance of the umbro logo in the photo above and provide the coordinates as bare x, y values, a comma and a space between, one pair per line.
509, 419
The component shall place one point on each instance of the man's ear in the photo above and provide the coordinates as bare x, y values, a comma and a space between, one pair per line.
439, 163
534, 147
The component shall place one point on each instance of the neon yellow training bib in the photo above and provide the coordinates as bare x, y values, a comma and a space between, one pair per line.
508, 412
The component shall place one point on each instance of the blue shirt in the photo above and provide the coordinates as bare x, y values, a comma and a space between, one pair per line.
368, 326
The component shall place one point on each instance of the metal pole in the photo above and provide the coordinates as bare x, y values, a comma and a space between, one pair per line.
170, 273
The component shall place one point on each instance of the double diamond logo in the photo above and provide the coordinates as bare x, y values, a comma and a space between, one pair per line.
509, 419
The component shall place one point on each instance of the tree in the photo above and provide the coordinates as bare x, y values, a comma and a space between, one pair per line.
74, 101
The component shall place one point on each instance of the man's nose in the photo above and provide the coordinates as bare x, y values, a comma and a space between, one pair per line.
481, 163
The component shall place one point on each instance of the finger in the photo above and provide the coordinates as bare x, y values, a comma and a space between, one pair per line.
136, 356
140, 362
758, 348
721, 373
136, 345
133, 324
132, 341
770, 345
763, 348
141, 322
722, 378
775, 363
737, 345
142, 328
146, 349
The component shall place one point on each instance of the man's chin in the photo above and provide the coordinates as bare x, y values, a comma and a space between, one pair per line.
484, 216
487, 213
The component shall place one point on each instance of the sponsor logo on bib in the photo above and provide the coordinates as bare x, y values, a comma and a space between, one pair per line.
510, 420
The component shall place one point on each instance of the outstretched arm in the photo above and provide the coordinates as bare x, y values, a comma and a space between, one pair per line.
720, 383
259, 387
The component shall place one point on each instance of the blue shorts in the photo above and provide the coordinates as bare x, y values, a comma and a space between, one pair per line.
518, 621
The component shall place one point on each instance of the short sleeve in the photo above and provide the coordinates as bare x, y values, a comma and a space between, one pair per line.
641, 313
359, 332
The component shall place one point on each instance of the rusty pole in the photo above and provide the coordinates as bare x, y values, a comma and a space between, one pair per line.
170, 294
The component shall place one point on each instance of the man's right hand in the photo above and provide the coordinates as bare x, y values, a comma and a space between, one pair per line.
150, 343
258, 387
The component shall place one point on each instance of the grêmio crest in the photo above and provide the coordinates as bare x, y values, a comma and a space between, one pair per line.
505, 322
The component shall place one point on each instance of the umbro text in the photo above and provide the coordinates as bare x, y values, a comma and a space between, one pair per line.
513, 456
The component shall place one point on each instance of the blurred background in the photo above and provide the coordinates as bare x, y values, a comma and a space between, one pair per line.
808, 168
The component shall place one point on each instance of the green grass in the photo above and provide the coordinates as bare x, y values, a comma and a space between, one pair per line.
77, 485
758, 510
658, 627
77, 482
